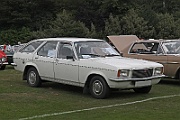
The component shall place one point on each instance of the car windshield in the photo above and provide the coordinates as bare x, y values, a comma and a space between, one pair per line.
171, 47
90, 49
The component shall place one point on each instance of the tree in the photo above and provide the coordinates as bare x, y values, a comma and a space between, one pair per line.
13, 36
177, 29
26, 13
92, 32
165, 27
133, 24
64, 26
112, 26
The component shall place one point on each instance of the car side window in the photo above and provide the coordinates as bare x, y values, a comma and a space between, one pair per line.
31, 47
139, 48
145, 48
64, 50
159, 50
48, 49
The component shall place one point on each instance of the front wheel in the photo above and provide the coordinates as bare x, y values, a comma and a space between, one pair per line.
143, 89
33, 78
99, 88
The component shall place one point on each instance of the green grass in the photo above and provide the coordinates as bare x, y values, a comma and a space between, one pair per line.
18, 100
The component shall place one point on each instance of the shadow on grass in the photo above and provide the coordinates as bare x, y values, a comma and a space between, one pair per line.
79, 91
170, 81
9, 67
62, 87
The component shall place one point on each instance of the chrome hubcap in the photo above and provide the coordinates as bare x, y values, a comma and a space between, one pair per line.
32, 77
97, 87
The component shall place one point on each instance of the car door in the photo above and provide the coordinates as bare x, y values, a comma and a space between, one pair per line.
66, 66
173, 64
44, 60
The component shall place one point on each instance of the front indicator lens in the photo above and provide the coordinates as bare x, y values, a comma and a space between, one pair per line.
122, 73
158, 71
4, 59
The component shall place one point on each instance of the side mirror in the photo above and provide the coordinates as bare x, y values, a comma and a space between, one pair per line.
121, 54
70, 57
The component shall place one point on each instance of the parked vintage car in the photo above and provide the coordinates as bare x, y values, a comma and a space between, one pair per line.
166, 52
89, 63
3, 60
9, 53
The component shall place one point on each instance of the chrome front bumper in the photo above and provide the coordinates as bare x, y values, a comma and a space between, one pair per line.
4, 63
135, 79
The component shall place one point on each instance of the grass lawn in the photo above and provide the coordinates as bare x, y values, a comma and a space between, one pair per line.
55, 101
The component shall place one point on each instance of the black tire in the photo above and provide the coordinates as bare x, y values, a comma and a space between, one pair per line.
3, 67
33, 78
143, 89
179, 75
99, 88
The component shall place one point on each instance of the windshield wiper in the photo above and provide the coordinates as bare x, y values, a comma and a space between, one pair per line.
94, 55
111, 55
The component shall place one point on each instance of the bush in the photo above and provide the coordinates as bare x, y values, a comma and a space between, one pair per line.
12, 36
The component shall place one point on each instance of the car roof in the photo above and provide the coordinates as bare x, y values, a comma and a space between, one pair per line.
68, 39
157, 41
148, 41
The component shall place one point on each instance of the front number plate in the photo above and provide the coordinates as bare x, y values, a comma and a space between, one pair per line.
142, 83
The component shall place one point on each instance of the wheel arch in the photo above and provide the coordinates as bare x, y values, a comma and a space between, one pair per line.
177, 75
26, 70
91, 76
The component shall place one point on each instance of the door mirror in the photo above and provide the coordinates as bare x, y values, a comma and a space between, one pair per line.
70, 57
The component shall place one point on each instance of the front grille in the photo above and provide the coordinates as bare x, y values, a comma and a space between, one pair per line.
142, 73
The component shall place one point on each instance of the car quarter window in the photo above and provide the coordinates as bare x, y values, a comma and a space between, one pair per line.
48, 49
64, 50
31, 47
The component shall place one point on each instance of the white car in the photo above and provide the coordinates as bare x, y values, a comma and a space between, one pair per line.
89, 63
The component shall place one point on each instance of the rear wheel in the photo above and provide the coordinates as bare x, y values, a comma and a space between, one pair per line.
143, 89
33, 78
99, 88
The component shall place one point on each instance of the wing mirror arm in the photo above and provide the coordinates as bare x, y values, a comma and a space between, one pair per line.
121, 54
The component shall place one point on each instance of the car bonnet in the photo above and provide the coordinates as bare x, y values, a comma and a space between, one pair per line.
123, 42
127, 63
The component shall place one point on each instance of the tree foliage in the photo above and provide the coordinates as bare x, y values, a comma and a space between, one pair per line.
132, 23
112, 26
165, 26
89, 18
64, 26
13, 36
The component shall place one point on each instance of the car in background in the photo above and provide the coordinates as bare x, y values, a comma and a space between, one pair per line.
166, 52
7, 49
17, 47
3, 60
89, 63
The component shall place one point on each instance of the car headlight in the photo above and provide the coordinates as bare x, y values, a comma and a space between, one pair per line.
158, 71
123, 73
3, 59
